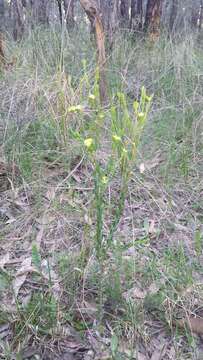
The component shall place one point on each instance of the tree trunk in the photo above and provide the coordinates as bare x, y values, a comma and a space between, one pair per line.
133, 14
140, 13
17, 14
124, 11
136, 14
69, 13
153, 18
113, 22
59, 2
194, 17
2, 13
173, 15
110, 15
2, 55
106, 7
39, 11
94, 16
201, 15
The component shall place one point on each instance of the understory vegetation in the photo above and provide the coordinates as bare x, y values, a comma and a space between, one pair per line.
101, 208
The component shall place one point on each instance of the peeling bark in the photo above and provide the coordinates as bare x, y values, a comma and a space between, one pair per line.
153, 19
2, 55
94, 16
2, 9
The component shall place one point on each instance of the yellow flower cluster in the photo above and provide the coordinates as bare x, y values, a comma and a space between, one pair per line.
88, 143
75, 109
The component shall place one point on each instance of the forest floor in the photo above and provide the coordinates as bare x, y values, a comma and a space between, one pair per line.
144, 299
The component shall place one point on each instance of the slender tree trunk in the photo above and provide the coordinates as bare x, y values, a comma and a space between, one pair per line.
94, 16
69, 13
201, 15
17, 14
2, 13
2, 9
59, 2
2, 55
124, 11
153, 18
140, 13
105, 7
110, 15
113, 22
42, 16
194, 17
39, 11
136, 14
133, 13
173, 15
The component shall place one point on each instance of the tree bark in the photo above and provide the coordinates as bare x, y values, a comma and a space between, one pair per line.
69, 13
2, 55
133, 13
94, 16
136, 14
39, 11
110, 17
2, 13
17, 14
173, 15
59, 2
140, 13
201, 15
153, 18
195, 17
124, 11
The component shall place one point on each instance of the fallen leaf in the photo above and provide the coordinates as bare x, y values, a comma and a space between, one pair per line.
157, 355
142, 168
67, 356
172, 353
10, 221
76, 178
89, 308
153, 289
4, 260
51, 193
152, 163
194, 324
4, 331
140, 356
152, 229
29, 352
134, 293
21, 275
88, 219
